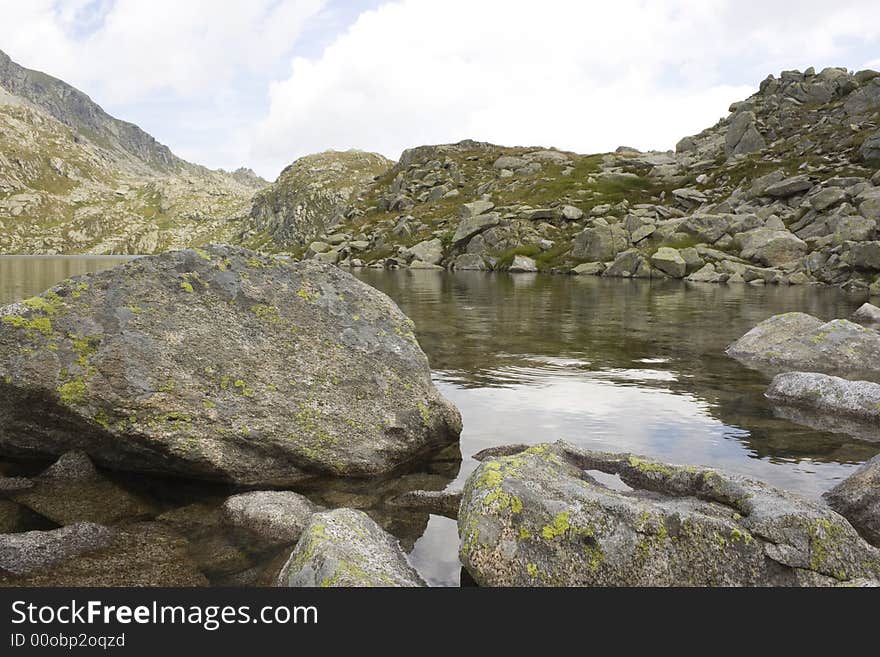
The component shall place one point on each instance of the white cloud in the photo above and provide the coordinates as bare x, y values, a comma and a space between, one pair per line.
581, 76
138, 48
178, 68
584, 76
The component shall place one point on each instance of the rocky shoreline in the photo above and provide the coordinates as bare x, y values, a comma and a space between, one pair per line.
530, 515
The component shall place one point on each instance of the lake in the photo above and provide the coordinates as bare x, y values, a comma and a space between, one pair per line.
607, 364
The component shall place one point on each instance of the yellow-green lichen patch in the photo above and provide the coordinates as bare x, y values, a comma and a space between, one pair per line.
187, 287
558, 527
50, 304
266, 313
72, 393
532, 569
243, 388
308, 294
650, 467
32, 325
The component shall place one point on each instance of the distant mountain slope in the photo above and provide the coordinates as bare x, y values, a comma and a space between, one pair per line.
73, 179
78, 112
784, 190
309, 196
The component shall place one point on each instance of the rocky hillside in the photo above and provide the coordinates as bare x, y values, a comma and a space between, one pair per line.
308, 198
75, 180
786, 189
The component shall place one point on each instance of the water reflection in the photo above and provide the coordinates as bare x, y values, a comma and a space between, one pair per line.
619, 365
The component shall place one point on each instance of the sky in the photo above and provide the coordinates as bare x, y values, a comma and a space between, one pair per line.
259, 83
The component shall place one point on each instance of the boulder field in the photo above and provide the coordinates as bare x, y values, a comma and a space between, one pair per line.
219, 364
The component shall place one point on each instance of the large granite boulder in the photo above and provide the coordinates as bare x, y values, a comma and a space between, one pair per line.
536, 518
346, 548
219, 364
797, 341
857, 498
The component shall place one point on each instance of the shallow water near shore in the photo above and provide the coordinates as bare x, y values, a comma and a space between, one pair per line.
608, 364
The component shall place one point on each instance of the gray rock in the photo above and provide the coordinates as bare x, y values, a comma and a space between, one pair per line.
742, 135
599, 243
522, 264
629, 264
865, 100
470, 262
857, 498
864, 255
475, 208
536, 518
537, 214
72, 465
771, 248
220, 364
571, 213
588, 269
706, 227
437, 502
789, 186
272, 517
345, 548
510, 162
797, 341
852, 228
429, 251
707, 274
827, 394
642, 232
21, 554
827, 198
867, 315
469, 227
669, 261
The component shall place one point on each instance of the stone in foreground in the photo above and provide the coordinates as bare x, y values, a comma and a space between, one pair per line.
827, 394
346, 548
857, 498
271, 517
219, 364
535, 518
797, 341
867, 315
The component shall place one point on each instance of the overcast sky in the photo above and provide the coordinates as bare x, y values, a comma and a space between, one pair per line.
258, 83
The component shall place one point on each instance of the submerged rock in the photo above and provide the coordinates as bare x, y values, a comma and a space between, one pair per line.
802, 342
829, 394
86, 554
219, 364
438, 502
346, 548
71, 491
857, 498
535, 517
21, 554
271, 517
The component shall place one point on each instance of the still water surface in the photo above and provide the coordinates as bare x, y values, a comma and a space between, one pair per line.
607, 364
